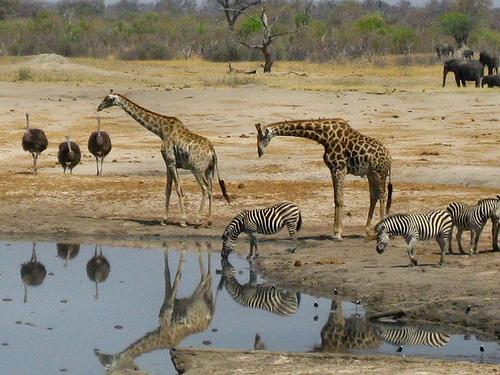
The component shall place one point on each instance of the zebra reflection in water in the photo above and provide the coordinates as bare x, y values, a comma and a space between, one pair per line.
340, 334
258, 296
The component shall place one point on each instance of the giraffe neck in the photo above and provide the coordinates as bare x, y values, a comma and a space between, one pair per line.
154, 122
302, 129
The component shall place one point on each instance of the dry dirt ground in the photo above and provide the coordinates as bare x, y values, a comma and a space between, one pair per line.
445, 145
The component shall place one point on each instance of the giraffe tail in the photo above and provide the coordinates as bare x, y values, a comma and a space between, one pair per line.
389, 195
221, 182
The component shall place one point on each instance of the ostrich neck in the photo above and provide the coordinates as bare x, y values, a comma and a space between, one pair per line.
69, 146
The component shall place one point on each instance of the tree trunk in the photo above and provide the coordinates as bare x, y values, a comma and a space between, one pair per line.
268, 57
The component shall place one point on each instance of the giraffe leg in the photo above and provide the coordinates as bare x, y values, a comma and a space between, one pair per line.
338, 193
169, 158
210, 197
373, 185
204, 194
168, 193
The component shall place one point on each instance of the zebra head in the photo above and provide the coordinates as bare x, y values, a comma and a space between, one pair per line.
233, 229
382, 237
263, 138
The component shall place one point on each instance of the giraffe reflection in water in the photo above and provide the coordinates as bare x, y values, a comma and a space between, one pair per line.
178, 317
340, 334
279, 301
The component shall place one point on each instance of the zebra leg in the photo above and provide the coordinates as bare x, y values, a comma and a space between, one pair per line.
477, 235
495, 228
254, 244
450, 240
459, 240
411, 250
441, 240
292, 230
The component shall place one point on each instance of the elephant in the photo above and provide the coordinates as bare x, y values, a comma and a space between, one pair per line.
490, 61
467, 54
491, 81
443, 50
464, 71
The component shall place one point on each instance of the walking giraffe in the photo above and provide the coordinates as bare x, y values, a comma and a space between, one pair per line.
346, 152
181, 148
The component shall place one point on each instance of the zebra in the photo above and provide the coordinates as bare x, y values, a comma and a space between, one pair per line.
412, 336
268, 220
279, 301
473, 219
417, 226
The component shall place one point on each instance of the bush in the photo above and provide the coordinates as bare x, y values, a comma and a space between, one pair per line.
24, 74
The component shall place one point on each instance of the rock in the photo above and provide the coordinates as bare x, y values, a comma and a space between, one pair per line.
298, 263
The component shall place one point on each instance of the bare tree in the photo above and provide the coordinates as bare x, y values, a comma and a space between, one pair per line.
234, 8
268, 35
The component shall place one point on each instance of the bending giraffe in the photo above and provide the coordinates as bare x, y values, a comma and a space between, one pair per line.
181, 148
347, 151
179, 318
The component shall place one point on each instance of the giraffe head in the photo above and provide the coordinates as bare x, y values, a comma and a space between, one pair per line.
263, 138
114, 362
109, 101
382, 237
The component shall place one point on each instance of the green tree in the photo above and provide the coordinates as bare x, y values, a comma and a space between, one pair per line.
458, 25
8, 7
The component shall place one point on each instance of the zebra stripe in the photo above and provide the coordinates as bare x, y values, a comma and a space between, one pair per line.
265, 297
268, 220
415, 226
412, 336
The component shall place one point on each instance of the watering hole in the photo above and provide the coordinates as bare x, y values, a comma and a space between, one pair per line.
81, 309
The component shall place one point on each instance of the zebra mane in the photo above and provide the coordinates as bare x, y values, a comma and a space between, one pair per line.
235, 226
387, 220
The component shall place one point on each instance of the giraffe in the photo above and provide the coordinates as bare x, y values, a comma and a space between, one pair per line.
179, 318
181, 148
346, 152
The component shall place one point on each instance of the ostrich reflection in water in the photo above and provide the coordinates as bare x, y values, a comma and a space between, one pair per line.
67, 251
32, 272
98, 269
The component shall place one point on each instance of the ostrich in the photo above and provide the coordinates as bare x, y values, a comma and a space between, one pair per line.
98, 269
32, 273
67, 251
69, 155
99, 145
34, 141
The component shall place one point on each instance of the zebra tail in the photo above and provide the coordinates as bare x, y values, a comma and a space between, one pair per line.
221, 182
389, 196
299, 223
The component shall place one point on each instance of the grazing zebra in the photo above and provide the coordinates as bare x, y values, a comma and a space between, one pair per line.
412, 336
434, 224
268, 220
265, 297
473, 219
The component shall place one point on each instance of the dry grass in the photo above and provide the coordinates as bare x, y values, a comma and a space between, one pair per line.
359, 74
